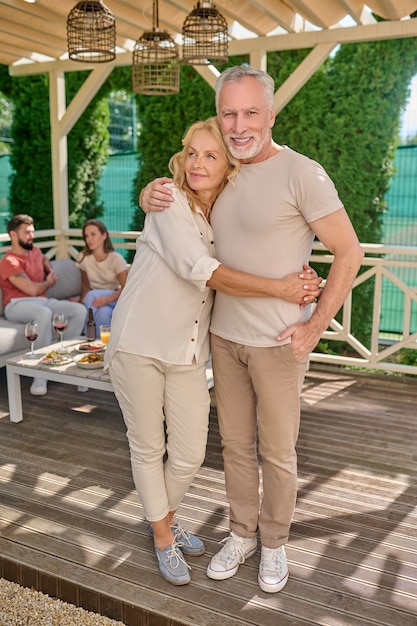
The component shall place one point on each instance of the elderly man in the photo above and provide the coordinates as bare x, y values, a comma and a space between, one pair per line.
25, 276
265, 224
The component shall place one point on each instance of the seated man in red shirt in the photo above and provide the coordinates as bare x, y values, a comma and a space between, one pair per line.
25, 276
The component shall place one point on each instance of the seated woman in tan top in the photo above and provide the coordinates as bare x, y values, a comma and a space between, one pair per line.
103, 272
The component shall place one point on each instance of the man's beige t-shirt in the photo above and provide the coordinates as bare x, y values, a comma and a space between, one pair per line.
261, 226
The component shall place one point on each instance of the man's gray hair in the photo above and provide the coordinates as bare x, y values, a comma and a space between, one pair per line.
236, 73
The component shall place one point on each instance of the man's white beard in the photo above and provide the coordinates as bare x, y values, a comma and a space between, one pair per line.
244, 152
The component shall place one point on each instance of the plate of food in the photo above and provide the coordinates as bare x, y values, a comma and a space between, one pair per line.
90, 361
90, 346
55, 358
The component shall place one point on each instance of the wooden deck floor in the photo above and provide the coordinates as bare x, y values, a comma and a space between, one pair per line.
71, 524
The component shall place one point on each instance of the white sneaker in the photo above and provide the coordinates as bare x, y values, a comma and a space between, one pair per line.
235, 551
273, 569
39, 387
82, 389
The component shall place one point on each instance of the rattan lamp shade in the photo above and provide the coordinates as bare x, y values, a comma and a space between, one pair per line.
205, 36
91, 32
155, 66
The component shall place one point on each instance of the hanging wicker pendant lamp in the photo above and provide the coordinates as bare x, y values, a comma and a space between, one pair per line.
155, 66
91, 32
205, 36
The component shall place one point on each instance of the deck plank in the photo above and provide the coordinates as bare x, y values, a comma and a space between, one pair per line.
69, 511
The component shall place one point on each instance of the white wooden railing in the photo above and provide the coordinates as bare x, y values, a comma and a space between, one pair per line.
386, 267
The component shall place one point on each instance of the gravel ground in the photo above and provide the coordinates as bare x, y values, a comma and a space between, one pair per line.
20, 606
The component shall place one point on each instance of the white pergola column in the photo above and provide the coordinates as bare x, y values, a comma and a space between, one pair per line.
62, 119
59, 157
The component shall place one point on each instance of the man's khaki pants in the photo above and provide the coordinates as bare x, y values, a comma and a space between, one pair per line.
258, 404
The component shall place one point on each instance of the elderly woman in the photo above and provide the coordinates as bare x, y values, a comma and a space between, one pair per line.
159, 343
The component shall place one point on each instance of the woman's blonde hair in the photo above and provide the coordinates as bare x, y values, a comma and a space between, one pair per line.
177, 161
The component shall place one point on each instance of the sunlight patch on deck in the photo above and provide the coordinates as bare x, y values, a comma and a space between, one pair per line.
7, 472
85, 408
314, 393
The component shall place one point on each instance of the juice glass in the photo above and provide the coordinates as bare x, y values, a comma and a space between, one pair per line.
104, 334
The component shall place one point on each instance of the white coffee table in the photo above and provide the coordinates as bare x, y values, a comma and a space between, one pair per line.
68, 373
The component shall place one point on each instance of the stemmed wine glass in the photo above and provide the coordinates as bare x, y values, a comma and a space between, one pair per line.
31, 332
60, 322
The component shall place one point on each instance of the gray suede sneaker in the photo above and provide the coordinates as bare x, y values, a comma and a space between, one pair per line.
172, 565
188, 543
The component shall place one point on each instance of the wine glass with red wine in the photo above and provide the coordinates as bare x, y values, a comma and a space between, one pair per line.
60, 322
31, 332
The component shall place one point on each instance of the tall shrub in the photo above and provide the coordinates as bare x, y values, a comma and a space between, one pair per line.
347, 117
30, 158
31, 179
6, 117
88, 144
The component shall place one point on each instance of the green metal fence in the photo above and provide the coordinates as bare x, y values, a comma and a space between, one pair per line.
400, 228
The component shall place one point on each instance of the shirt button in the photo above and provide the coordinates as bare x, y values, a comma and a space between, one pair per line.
193, 339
